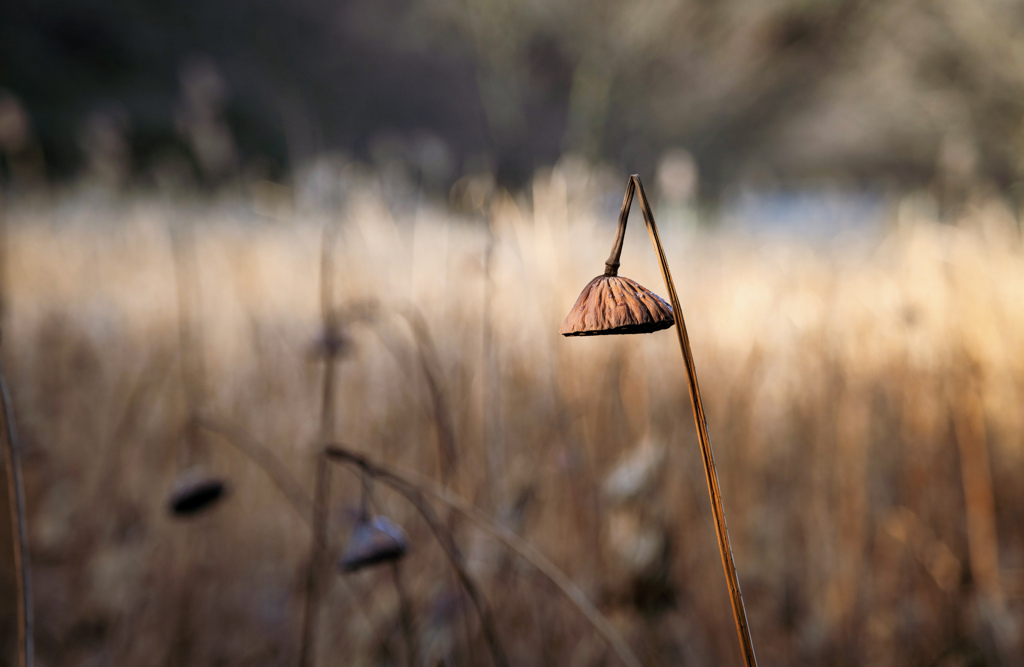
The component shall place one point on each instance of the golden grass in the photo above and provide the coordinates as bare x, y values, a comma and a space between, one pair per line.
864, 397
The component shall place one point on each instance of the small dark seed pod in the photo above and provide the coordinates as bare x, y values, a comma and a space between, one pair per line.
194, 491
373, 541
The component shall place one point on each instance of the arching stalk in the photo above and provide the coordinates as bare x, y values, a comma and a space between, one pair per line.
724, 546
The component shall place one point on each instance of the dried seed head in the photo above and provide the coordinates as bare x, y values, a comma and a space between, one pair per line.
330, 345
373, 541
616, 305
194, 491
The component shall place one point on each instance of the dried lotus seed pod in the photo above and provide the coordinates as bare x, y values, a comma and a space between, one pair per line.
194, 491
616, 305
373, 541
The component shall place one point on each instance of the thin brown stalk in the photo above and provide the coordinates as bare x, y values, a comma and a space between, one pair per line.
427, 354
442, 417
724, 546
3, 258
412, 482
405, 616
968, 418
19, 524
438, 411
320, 494
193, 378
408, 482
307, 648
151, 378
490, 404
190, 333
265, 460
287, 484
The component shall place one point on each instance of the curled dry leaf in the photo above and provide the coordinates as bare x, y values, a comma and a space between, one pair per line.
616, 305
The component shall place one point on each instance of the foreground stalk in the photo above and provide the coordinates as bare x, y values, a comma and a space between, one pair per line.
724, 545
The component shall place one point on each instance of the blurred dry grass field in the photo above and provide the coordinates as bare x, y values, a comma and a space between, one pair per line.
863, 396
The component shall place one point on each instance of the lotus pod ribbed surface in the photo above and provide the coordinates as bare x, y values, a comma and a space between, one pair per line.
612, 305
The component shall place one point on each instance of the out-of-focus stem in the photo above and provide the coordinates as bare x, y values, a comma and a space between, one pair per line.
442, 534
979, 498
412, 485
19, 524
405, 615
307, 647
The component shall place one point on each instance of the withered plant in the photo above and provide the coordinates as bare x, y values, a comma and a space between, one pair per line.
373, 541
377, 540
380, 542
416, 488
611, 304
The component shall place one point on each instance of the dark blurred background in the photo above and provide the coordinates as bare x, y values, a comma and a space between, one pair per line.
888, 95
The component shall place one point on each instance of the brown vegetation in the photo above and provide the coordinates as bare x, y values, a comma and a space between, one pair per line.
863, 396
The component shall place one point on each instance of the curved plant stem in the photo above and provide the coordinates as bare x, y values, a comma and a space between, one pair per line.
447, 450
265, 460
407, 482
724, 546
611, 265
414, 494
19, 524
261, 455
411, 485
